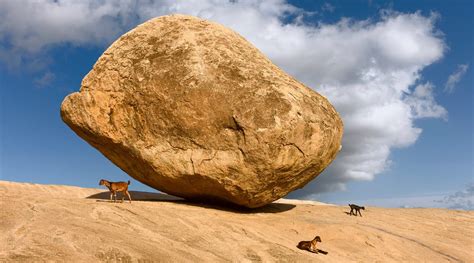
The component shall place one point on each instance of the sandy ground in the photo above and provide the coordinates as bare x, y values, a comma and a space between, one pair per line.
72, 224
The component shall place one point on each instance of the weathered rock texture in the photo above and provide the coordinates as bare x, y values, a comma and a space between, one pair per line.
192, 109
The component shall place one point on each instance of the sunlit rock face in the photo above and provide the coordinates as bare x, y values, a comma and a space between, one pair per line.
191, 108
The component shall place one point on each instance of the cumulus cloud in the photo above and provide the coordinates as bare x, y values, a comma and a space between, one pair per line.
28, 28
454, 78
369, 69
423, 104
33, 25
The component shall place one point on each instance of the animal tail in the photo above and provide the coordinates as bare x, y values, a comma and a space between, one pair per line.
128, 182
322, 252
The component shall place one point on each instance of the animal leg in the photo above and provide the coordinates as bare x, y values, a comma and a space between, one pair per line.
115, 197
360, 214
322, 252
129, 198
111, 196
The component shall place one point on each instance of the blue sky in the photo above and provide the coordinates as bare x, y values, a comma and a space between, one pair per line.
400, 74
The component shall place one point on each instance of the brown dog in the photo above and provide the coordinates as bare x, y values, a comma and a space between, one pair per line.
115, 187
311, 246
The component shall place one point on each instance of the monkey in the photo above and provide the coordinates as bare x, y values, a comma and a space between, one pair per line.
356, 209
311, 246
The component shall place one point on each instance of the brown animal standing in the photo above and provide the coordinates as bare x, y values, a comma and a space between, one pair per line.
115, 187
311, 246
356, 208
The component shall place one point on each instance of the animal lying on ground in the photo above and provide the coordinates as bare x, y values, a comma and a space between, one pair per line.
115, 187
311, 246
356, 208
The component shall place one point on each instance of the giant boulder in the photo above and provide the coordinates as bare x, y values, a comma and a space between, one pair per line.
191, 108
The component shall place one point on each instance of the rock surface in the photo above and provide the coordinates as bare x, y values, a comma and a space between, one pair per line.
191, 108
58, 223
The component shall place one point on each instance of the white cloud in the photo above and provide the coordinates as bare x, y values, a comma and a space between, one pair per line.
463, 199
454, 78
45, 80
368, 69
423, 104
328, 7
424, 200
33, 25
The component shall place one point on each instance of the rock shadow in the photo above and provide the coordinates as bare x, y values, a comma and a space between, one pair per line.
218, 205
229, 207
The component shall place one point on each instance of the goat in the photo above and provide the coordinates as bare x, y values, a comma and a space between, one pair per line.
356, 209
311, 246
115, 187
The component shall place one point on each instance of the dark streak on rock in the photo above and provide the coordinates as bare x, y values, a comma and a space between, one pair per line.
413, 240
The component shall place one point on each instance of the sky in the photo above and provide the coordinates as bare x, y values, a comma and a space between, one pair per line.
398, 72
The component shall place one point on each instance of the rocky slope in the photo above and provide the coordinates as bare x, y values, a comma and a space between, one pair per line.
71, 224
